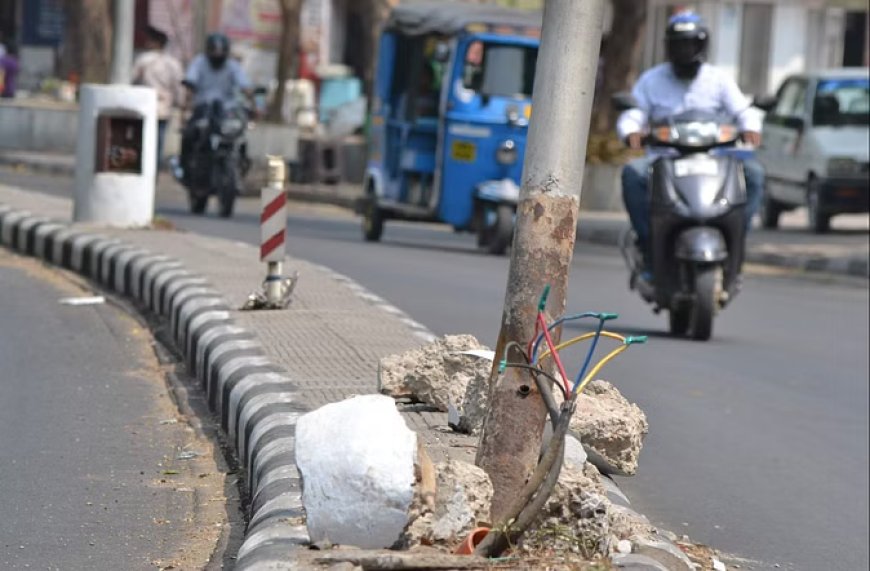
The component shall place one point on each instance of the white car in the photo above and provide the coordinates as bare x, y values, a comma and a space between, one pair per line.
816, 146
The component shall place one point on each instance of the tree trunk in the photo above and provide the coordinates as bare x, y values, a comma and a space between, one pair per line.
620, 55
287, 52
377, 13
87, 41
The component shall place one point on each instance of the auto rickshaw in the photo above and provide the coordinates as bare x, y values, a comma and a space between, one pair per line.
450, 112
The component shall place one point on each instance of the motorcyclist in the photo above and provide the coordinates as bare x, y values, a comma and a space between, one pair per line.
212, 77
684, 82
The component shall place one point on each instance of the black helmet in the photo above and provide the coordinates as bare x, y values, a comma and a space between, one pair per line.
217, 49
686, 40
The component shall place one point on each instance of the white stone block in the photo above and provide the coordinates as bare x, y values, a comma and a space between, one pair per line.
357, 459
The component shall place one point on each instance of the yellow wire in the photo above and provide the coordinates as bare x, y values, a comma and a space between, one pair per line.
598, 366
580, 338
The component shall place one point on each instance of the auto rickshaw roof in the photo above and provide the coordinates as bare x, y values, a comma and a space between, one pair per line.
453, 18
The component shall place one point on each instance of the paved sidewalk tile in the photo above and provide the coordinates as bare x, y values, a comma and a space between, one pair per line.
330, 339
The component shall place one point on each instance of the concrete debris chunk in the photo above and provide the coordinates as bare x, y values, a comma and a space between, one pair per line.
611, 428
464, 494
356, 458
449, 373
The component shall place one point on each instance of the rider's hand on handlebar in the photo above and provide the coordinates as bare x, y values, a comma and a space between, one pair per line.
752, 138
634, 141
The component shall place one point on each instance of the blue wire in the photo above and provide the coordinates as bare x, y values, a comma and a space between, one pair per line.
582, 372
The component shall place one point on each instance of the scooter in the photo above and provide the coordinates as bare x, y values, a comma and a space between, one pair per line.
697, 223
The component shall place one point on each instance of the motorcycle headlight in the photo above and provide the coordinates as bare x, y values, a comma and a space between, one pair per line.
506, 154
231, 126
843, 167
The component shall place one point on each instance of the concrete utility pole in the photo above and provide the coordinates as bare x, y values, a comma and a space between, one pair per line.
122, 42
545, 232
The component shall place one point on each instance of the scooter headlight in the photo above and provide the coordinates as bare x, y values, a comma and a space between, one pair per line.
506, 154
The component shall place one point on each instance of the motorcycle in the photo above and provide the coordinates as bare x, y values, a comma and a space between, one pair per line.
697, 222
217, 160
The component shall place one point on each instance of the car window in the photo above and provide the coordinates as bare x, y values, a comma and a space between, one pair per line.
790, 102
842, 102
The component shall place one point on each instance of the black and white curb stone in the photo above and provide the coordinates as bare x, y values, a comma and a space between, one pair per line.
258, 404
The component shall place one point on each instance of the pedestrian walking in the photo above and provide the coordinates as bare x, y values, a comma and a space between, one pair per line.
9, 68
156, 68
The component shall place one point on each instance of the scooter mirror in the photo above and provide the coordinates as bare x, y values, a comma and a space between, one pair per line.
765, 102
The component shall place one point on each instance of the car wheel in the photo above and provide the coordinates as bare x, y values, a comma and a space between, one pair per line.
771, 209
819, 220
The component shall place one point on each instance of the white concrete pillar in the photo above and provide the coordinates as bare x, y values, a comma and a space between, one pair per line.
788, 46
116, 155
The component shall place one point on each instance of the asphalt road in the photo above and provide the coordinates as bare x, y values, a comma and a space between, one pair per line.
84, 440
758, 439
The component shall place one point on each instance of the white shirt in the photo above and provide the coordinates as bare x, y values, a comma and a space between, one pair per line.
661, 94
223, 84
158, 69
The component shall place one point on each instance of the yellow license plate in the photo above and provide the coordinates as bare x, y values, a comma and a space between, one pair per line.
463, 151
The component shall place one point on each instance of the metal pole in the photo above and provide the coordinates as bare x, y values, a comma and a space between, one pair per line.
545, 232
274, 231
122, 42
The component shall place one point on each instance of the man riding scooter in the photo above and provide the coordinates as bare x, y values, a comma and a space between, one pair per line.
686, 82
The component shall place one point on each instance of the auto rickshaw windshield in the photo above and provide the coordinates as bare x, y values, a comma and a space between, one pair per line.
501, 70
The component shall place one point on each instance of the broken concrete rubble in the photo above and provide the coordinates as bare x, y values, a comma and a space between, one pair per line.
611, 428
575, 518
447, 373
580, 518
443, 374
462, 501
356, 458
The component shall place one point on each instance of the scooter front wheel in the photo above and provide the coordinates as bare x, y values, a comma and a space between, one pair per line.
678, 319
708, 283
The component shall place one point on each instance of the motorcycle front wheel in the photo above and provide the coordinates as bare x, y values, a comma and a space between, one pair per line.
198, 202
225, 182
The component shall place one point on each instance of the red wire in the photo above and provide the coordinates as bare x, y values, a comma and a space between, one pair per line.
540, 321
532, 341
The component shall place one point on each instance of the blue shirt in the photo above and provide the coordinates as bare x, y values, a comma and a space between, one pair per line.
661, 94
222, 84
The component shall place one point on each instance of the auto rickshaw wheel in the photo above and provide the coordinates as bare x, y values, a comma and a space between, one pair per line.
373, 221
496, 232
